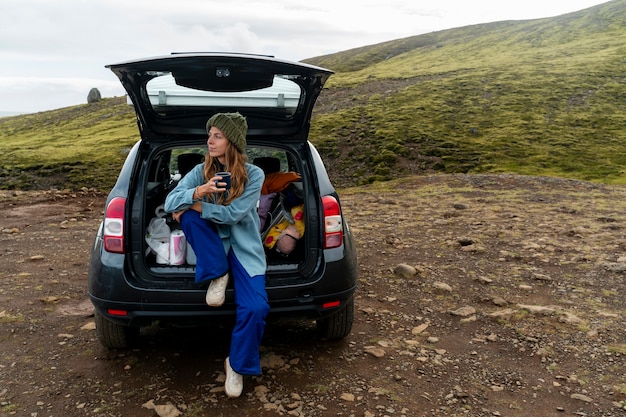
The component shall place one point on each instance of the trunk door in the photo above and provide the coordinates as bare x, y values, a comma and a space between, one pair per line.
174, 95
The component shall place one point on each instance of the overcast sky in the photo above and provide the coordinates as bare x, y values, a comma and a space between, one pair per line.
54, 52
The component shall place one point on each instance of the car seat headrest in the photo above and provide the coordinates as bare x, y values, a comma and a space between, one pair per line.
268, 164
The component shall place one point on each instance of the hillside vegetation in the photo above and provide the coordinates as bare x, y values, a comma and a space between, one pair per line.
536, 97
73, 147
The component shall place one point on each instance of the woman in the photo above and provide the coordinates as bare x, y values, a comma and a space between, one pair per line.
222, 226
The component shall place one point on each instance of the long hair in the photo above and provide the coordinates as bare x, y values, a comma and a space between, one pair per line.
236, 165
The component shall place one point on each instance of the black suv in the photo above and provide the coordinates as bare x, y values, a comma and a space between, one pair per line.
133, 282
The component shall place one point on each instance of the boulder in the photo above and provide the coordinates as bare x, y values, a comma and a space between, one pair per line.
94, 96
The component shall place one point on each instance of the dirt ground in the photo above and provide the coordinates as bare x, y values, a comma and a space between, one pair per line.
484, 295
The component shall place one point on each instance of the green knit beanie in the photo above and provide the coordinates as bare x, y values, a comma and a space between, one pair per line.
234, 127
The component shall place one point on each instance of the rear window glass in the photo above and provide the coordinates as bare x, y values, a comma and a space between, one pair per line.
181, 160
168, 97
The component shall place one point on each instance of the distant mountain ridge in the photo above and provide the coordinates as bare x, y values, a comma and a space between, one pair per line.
601, 18
534, 97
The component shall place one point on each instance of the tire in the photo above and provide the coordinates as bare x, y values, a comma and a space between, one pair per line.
115, 336
338, 325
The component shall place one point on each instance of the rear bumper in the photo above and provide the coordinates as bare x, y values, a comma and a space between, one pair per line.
142, 314
116, 298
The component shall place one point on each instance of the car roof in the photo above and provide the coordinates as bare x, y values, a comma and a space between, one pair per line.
175, 94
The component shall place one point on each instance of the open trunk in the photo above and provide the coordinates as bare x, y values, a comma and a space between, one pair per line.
163, 258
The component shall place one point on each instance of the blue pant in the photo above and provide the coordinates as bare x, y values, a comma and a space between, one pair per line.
250, 294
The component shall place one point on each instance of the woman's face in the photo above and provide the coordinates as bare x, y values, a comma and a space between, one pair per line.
217, 144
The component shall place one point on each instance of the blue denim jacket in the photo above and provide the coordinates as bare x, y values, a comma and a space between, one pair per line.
237, 223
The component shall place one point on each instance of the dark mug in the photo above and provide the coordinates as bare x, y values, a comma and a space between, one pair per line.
225, 178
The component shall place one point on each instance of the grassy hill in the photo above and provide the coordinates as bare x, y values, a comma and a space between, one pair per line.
536, 97
72, 147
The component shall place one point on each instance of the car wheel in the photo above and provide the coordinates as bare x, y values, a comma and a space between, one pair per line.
113, 335
338, 325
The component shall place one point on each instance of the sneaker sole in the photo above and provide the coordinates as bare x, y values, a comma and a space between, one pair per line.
216, 304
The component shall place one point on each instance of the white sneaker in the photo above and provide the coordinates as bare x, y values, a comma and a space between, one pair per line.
234, 382
216, 294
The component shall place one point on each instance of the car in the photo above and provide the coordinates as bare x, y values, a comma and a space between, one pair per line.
141, 271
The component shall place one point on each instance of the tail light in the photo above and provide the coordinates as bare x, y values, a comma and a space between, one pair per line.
333, 227
113, 233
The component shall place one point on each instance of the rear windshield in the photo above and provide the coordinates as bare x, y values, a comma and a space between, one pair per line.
166, 97
181, 160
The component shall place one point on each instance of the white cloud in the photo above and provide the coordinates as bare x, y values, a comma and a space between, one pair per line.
61, 47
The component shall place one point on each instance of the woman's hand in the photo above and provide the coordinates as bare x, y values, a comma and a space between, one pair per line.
216, 185
176, 215
210, 187
200, 192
